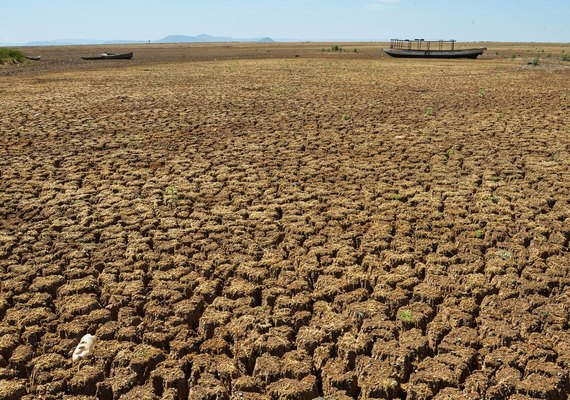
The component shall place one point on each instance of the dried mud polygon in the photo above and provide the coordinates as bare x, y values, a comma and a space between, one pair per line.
286, 229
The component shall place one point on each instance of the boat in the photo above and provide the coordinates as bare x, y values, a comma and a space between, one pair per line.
34, 58
420, 48
109, 56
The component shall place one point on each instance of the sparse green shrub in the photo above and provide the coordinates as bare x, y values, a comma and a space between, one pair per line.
406, 316
171, 196
479, 234
430, 111
565, 57
494, 198
346, 117
535, 61
505, 254
335, 49
448, 153
11, 55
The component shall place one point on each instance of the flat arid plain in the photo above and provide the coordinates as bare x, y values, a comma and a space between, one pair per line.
285, 222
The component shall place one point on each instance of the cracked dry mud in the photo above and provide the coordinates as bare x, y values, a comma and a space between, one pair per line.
286, 229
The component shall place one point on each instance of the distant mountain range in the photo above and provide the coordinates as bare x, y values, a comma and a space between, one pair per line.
209, 39
168, 39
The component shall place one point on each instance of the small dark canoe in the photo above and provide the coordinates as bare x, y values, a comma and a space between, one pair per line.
110, 56
34, 58
410, 53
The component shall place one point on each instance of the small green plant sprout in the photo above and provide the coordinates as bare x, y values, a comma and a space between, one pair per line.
389, 385
346, 117
495, 178
479, 234
397, 197
505, 254
406, 316
482, 92
171, 196
494, 198
447, 154
544, 314
430, 112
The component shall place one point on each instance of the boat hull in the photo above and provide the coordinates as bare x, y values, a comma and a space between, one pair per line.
465, 53
124, 56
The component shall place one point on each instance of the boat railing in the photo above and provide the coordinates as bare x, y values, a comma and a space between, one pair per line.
421, 44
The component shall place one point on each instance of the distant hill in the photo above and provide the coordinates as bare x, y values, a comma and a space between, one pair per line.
208, 39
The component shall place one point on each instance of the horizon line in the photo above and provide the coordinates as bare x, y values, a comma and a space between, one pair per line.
186, 38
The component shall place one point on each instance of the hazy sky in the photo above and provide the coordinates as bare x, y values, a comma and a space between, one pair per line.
466, 20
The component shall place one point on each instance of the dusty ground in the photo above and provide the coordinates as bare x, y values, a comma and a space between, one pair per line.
281, 227
68, 58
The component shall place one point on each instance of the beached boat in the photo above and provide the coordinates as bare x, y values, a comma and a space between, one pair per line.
420, 48
34, 58
110, 56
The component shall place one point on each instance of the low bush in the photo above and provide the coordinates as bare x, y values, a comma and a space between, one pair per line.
11, 55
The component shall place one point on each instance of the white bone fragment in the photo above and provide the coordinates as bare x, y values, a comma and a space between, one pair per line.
84, 348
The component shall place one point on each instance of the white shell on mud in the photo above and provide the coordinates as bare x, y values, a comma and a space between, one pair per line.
84, 348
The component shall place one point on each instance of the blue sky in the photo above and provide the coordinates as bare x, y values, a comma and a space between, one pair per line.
466, 20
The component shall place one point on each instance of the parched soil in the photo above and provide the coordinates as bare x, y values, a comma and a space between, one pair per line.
286, 228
